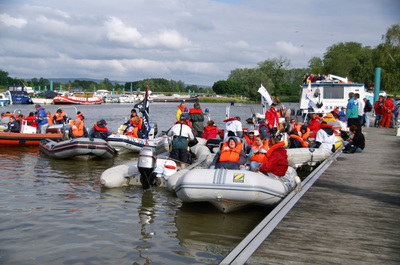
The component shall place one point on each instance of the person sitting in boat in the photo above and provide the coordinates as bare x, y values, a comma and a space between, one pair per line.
263, 128
325, 138
295, 140
135, 128
356, 144
80, 115
50, 118
231, 155
258, 151
329, 117
335, 112
13, 125
233, 125
250, 139
30, 120
196, 117
314, 125
292, 125
181, 109
181, 133
210, 131
342, 114
100, 130
276, 160
77, 129
59, 117
131, 117
303, 131
41, 119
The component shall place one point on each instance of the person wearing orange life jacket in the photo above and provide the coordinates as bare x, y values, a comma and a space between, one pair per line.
303, 131
59, 117
258, 151
181, 109
80, 115
135, 128
231, 156
77, 129
276, 162
295, 141
196, 117
50, 118
250, 139
100, 130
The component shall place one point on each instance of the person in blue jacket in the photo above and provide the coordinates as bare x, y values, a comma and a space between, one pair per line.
41, 120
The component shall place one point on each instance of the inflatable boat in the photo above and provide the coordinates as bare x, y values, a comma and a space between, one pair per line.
86, 148
123, 143
230, 190
152, 170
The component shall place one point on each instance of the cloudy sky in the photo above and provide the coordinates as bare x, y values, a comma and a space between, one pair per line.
195, 41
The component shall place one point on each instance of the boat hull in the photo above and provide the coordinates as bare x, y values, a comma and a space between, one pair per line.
77, 100
230, 190
176, 99
26, 139
86, 148
127, 143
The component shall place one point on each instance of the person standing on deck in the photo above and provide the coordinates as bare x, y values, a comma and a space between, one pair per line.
367, 112
378, 112
196, 117
361, 106
352, 111
388, 108
273, 120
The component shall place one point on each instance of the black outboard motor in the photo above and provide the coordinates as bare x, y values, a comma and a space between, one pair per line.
146, 165
214, 144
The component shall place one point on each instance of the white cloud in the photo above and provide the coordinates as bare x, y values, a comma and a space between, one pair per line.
288, 48
12, 21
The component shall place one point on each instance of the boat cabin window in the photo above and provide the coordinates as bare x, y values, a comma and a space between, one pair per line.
331, 92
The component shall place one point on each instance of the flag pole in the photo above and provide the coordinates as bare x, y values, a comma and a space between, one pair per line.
147, 95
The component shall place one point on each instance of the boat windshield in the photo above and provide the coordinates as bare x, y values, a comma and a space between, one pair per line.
333, 92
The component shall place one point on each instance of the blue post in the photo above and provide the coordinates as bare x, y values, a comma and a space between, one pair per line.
39, 88
131, 89
60, 88
179, 92
208, 93
123, 91
377, 84
45, 88
193, 92
51, 85
189, 92
113, 91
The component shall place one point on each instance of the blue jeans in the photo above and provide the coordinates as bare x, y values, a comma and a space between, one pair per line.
378, 120
367, 118
254, 164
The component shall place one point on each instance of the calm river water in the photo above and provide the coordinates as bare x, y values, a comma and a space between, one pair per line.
55, 211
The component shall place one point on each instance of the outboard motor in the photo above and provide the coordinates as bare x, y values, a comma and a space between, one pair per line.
214, 144
146, 165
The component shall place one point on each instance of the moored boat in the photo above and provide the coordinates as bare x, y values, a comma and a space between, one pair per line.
20, 94
87, 148
175, 98
230, 190
153, 170
123, 143
28, 136
82, 98
5, 99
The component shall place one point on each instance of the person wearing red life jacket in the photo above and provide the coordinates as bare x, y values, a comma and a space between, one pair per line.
231, 155
249, 139
378, 107
388, 108
196, 117
210, 131
181, 109
276, 162
273, 119
30, 120
314, 125
99, 130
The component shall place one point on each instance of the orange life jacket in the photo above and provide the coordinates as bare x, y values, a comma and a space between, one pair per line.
80, 116
248, 140
8, 115
303, 143
133, 132
59, 116
273, 148
78, 131
258, 156
305, 135
50, 119
230, 154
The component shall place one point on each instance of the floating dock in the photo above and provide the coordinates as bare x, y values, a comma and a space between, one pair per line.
348, 212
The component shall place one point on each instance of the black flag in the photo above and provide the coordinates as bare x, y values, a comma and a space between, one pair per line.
143, 107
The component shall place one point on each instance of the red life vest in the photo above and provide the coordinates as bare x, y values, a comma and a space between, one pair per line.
248, 140
230, 154
193, 110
